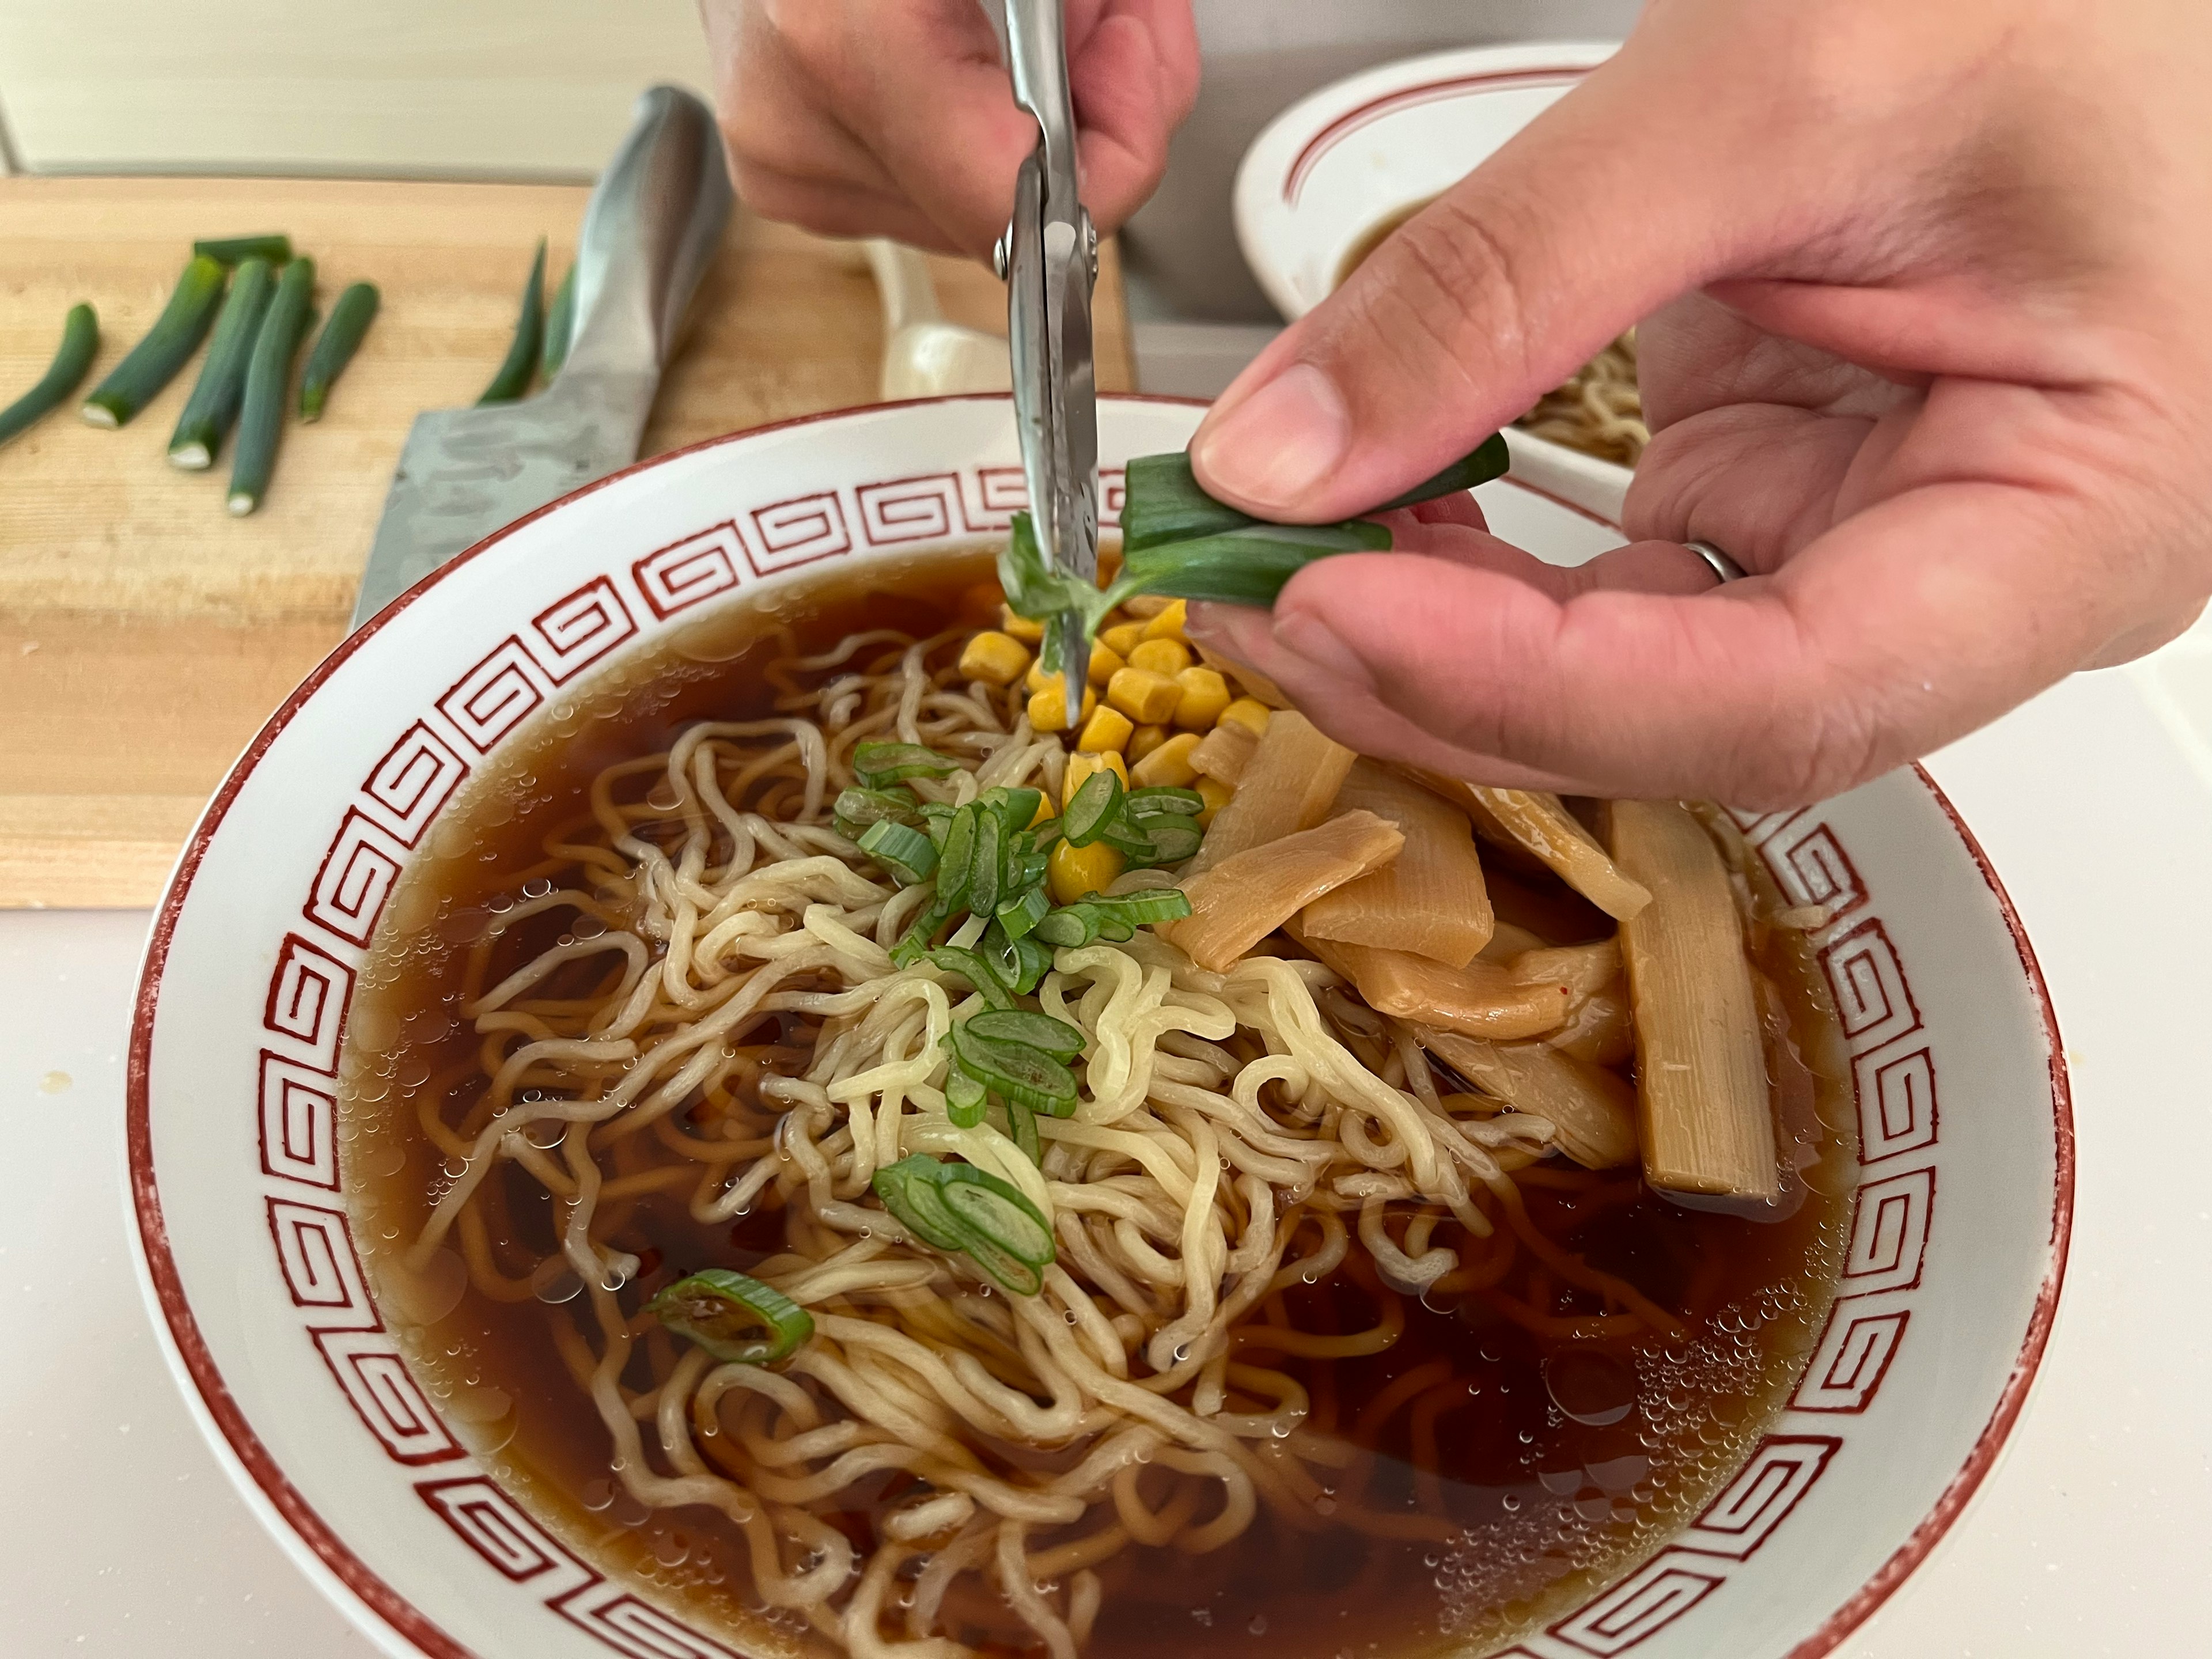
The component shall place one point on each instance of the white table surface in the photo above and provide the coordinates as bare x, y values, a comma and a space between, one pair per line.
121, 1535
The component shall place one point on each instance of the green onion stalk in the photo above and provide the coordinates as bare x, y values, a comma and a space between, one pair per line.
212, 408
80, 341
268, 377
168, 346
334, 347
513, 377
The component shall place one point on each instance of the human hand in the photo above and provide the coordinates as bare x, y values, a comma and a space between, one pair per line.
895, 117
1930, 358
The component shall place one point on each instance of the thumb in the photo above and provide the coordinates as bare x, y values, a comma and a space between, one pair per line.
1605, 206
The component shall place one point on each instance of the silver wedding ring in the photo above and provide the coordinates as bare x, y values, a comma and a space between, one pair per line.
1717, 562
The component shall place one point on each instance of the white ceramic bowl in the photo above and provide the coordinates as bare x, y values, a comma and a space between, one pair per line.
238, 1176
1324, 174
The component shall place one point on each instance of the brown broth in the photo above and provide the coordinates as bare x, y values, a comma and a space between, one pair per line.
1543, 1507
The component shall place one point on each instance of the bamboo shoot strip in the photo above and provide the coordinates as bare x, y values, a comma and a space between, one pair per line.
1431, 900
560, 327
268, 378
1241, 900
80, 341
154, 361
1708, 1126
1540, 824
513, 377
1481, 1000
1591, 1111
275, 247
213, 406
334, 347
1289, 785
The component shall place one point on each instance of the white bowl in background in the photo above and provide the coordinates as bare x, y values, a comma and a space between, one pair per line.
289, 1361
1361, 151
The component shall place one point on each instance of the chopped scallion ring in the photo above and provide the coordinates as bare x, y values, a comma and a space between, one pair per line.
1016, 1071
906, 852
1052, 1037
878, 763
1095, 806
716, 1309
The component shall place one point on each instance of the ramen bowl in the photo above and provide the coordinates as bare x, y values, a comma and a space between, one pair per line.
1345, 162
295, 1366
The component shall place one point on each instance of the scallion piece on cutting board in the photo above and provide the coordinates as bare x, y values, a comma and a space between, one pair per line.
168, 346
268, 378
560, 327
335, 346
274, 246
213, 406
513, 377
80, 340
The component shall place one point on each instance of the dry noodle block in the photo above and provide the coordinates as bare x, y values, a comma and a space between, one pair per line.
1289, 785
1431, 900
1591, 1110
1708, 1125
1243, 899
1541, 824
1479, 999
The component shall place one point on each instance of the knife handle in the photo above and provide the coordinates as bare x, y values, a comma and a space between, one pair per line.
652, 223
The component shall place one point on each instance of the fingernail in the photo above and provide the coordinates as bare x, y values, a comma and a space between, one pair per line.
1311, 638
1272, 448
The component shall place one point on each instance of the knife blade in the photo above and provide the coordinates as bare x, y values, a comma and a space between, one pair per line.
651, 227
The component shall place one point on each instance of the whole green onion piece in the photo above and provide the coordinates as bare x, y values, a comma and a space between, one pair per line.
906, 854
717, 1308
513, 377
1488, 459
1021, 1123
1094, 807
268, 378
1016, 1072
216, 396
154, 361
878, 763
856, 809
909, 1191
964, 1098
978, 974
1162, 800
560, 327
334, 347
1020, 914
1055, 1037
275, 248
80, 341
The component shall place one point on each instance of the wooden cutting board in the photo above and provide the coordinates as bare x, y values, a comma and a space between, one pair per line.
145, 634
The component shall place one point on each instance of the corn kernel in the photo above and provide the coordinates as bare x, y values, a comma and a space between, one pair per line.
1028, 632
1249, 713
993, 656
1080, 767
1169, 764
1072, 872
1167, 625
1046, 811
1143, 741
1168, 656
1146, 605
1105, 663
1109, 728
1048, 707
1147, 699
1205, 696
1216, 795
1123, 637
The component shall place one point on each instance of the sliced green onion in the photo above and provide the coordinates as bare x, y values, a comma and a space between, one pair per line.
1019, 915
513, 377
978, 974
906, 852
878, 763
1021, 1124
275, 247
1161, 800
560, 327
1032, 960
1069, 928
268, 377
856, 809
909, 1191
989, 867
80, 341
334, 347
1013, 808
1096, 806
1016, 1072
1044, 834
716, 1308
1089, 920
154, 361
964, 1098
913, 944
1172, 840
1055, 1037
956, 859
1004, 1233
216, 396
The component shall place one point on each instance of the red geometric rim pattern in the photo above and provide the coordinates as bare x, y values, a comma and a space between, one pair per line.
310, 990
